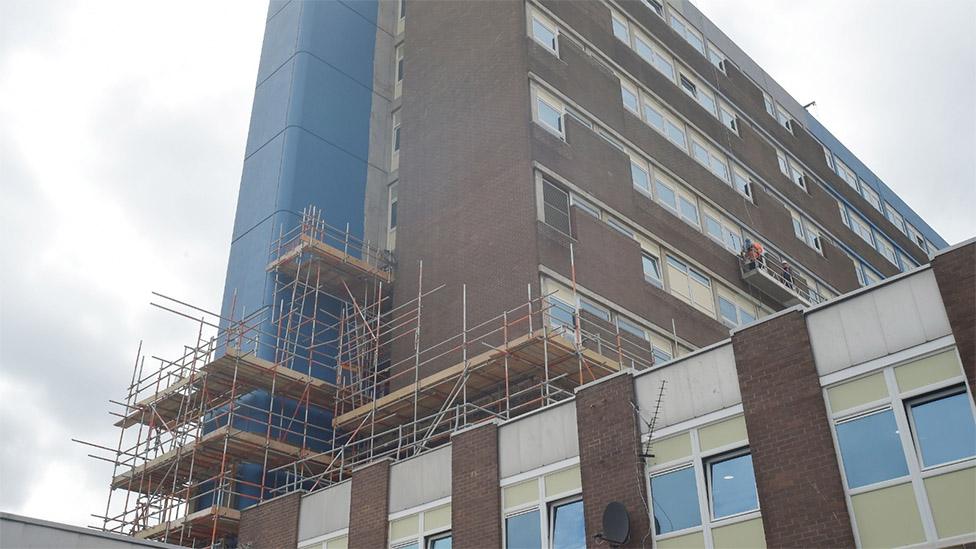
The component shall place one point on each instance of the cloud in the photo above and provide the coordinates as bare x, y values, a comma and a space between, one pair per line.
894, 80
121, 139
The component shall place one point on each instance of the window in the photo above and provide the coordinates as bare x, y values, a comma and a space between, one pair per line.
549, 113
585, 206
620, 28
768, 102
629, 95
690, 285
544, 32
942, 427
716, 57
577, 116
732, 314
784, 165
813, 236
861, 228
594, 309
561, 314
729, 118
846, 173
710, 158
797, 225
652, 270
675, 497
566, 530
660, 355
870, 448
676, 134
721, 231
395, 138
398, 87
892, 214
619, 226
916, 236
687, 32
784, 118
653, 116
555, 206
655, 6
741, 182
402, 8
732, 484
702, 96
440, 541
640, 177
871, 196
689, 210
522, 531
797, 176
630, 327
843, 214
887, 250
666, 194
828, 158
870, 277
392, 218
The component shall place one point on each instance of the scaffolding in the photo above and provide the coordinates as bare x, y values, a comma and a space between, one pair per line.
297, 394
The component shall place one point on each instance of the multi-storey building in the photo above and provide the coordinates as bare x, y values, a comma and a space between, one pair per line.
848, 424
454, 212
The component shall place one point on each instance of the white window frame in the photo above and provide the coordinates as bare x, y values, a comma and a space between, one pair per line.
626, 87
537, 17
898, 401
656, 260
716, 57
539, 95
769, 104
846, 174
684, 29
584, 205
543, 503
871, 196
729, 118
895, 217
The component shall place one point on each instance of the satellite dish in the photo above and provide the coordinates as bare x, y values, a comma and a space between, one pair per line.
616, 523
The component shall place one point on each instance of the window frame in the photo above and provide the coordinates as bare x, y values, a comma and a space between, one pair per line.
535, 16
656, 262
925, 398
539, 95
707, 464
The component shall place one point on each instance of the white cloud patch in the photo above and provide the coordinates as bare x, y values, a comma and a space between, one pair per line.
894, 80
122, 129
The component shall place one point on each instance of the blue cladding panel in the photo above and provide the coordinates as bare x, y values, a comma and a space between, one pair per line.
308, 141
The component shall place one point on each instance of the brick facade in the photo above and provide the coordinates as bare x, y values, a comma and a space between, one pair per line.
797, 475
271, 524
955, 272
370, 502
610, 466
475, 493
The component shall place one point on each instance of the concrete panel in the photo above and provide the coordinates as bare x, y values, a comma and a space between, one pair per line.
709, 378
419, 480
324, 511
537, 440
862, 328
896, 316
931, 309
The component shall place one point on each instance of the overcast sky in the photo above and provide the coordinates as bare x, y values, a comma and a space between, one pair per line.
122, 129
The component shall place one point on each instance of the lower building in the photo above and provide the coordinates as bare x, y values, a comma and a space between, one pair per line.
846, 424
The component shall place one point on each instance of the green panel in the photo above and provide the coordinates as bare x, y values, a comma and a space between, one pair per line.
521, 493
672, 448
953, 500
687, 541
438, 518
888, 517
725, 432
745, 534
338, 543
563, 482
405, 527
854, 393
928, 370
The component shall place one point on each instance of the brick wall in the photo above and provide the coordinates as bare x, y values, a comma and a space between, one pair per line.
370, 504
797, 473
475, 493
955, 272
271, 524
609, 444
